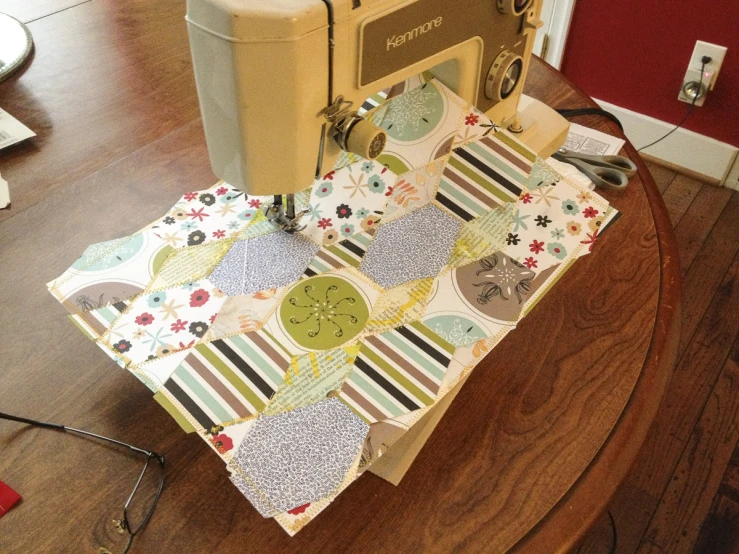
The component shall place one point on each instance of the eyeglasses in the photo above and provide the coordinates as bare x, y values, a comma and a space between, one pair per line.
137, 511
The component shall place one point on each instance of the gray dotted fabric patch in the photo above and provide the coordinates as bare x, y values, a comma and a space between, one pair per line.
265, 262
300, 456
415, 246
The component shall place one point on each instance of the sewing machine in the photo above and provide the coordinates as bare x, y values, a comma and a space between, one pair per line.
280, 81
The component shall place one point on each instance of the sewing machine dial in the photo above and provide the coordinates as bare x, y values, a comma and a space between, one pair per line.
504, 76
513, 7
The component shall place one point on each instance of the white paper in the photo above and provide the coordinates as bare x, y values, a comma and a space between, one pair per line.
12, 131
589, 141
4, 193
570, 171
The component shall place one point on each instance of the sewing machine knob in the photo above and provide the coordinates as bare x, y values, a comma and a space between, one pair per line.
504, 75
514, 7
365, 139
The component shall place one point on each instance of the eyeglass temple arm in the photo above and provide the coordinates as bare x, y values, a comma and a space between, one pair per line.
31, 421
60, 427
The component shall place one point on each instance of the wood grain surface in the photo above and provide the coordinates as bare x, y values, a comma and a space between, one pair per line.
664, 504
529, 453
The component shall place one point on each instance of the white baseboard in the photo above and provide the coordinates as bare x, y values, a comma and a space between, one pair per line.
685, 148
732, 181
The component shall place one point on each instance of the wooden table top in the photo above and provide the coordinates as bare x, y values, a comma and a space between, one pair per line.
527, 456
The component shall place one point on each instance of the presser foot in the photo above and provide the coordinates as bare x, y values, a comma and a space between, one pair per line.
284, 215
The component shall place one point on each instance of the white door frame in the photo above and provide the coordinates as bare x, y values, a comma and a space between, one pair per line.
558, 29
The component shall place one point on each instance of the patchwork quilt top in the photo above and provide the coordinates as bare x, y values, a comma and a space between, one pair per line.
301, 358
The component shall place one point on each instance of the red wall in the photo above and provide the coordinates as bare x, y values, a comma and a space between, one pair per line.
634, 53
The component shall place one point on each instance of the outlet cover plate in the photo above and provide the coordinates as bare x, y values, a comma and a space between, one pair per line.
717, 54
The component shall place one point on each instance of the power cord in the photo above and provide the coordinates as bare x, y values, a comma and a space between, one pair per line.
567, 114
705, 60
614, 533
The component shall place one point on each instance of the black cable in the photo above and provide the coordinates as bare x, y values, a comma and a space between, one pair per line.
687, 113
568, 113
614, 546
614, 533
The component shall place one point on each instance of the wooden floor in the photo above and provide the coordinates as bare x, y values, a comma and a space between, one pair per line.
682, 495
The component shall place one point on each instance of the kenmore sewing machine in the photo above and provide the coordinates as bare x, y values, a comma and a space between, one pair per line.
279, 80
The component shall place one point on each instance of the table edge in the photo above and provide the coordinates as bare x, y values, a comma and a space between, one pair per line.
566, 524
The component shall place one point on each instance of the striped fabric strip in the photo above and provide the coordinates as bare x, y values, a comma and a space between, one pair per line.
397, 372
82, 325
495, 155
373, 101
229, 379
514, 146
477, 178
347, 253
507, 153
99, 320
175, 412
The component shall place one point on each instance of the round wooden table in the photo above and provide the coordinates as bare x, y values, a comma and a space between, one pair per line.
527, 456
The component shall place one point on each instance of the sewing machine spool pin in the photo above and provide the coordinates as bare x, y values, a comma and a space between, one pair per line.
352, 132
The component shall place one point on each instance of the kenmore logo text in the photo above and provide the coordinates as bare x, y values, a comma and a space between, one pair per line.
399, 40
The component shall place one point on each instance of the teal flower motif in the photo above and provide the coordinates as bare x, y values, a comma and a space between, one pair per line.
570, 207
229, 196
557, 250
247, 215
558, 234
324, 189
156, 339
361, 213
234, 225
188, 226
315, 212
376, 185
519, 222
191, 286
156, 299
367, 167
347, 230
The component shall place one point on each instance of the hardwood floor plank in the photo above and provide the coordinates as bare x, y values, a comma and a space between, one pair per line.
691, 385
687, 501
704, 276
26, 10
630, 507
699, 219
93, 100
719, 533
662, 176
679, 195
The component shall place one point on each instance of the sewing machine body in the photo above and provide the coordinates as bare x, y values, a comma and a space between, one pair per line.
264, 77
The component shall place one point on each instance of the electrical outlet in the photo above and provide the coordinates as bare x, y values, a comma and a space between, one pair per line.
713, 51
695, 83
